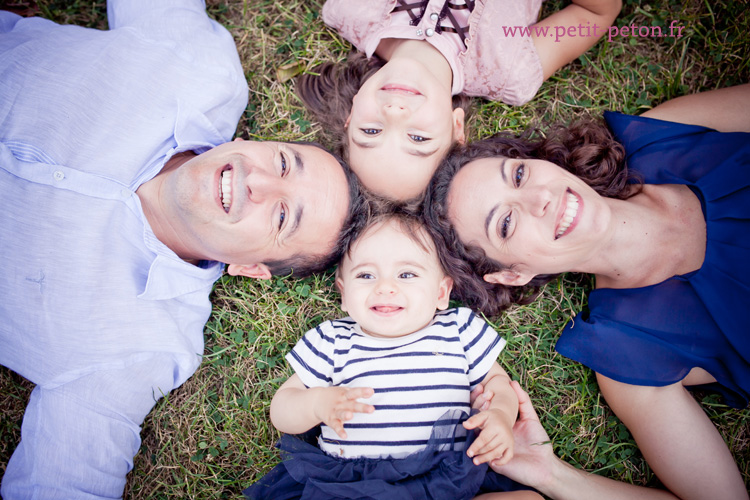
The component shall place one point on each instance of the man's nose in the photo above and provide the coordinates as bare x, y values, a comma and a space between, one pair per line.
262, 186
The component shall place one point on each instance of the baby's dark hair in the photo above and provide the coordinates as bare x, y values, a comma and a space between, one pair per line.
407, 217
328, 93
586, 149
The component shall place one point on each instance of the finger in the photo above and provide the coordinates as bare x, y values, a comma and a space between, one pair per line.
488, 395
489, 445
496, 459
477, 420
338, 426
493, 453
363, 408
359, 393
344, 415
526, 410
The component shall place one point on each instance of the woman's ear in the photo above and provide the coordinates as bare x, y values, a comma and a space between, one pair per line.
444, 293
459, 134
509, 277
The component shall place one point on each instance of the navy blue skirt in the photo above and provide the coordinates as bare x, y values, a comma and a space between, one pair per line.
441, 471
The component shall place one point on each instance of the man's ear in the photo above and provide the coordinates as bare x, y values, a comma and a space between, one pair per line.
340, 287
239, 139
459, 133
444, 293
257, 271
509, 277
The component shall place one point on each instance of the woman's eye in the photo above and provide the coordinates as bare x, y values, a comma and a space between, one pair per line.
407, 275
282, 216
370, 131
505, 226
418, 138
520, 171
365, 276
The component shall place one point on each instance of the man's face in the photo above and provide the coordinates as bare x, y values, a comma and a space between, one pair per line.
247, 202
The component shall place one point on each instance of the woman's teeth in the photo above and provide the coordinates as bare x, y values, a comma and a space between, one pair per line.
226, 189
570, 213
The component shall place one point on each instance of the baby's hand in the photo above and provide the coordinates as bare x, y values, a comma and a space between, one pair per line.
336, 405
495, 441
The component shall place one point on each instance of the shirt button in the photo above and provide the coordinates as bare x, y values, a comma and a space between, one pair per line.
434, 16
430, 32
58, 175
419, 32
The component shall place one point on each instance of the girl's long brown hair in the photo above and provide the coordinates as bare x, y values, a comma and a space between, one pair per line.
586, 149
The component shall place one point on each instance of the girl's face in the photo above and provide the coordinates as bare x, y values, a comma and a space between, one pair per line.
530, 215
389, 284
401, 126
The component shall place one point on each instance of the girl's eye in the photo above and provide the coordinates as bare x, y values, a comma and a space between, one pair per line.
505, 226
370, 131
407, 275
418, 138
282, 216
520, 171
365, 276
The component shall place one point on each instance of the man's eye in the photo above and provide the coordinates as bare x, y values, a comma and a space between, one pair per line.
505, 226
282, 216
520, 171
370, 131
418, 138
407, 275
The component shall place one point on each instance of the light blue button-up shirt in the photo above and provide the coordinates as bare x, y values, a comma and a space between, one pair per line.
97, 312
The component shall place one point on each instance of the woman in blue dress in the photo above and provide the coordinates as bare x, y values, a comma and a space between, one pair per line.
660, 214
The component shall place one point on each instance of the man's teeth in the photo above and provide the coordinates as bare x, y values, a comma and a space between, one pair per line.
570, 213
226, 188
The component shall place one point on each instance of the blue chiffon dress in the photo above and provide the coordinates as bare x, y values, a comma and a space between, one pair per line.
442, 471
654, 335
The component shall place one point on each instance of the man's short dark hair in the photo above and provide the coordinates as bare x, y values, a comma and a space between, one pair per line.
301, 265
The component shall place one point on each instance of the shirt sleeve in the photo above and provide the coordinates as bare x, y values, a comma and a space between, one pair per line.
313, 357
481, 343
143, 14
79, 438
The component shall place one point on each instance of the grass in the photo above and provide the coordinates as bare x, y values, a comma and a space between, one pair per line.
212, 437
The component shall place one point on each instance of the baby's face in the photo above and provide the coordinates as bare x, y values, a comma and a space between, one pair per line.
401, 126
389, 284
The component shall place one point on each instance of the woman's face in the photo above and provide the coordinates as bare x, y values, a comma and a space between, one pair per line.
530, 215
401, 125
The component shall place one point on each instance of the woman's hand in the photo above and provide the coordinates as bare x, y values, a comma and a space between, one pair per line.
533, 457
336, 405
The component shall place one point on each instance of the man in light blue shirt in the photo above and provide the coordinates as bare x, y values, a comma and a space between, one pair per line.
120, 197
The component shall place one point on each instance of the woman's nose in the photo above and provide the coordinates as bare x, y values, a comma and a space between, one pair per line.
540, 199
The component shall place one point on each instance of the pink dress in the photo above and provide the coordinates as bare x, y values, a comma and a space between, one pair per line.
482, 40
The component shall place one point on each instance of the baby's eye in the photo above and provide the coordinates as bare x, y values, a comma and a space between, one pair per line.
407, 275
365, 276
418, 138
370, 131
520, 172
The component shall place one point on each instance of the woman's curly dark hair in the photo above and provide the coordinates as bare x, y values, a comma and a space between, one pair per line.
328, 93
586, 149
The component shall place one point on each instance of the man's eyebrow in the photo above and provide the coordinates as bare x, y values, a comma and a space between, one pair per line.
298, 161
296, 223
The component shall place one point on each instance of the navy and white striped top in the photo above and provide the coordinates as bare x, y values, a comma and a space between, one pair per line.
416, 378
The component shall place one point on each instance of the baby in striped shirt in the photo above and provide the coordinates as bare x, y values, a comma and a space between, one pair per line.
390, 384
